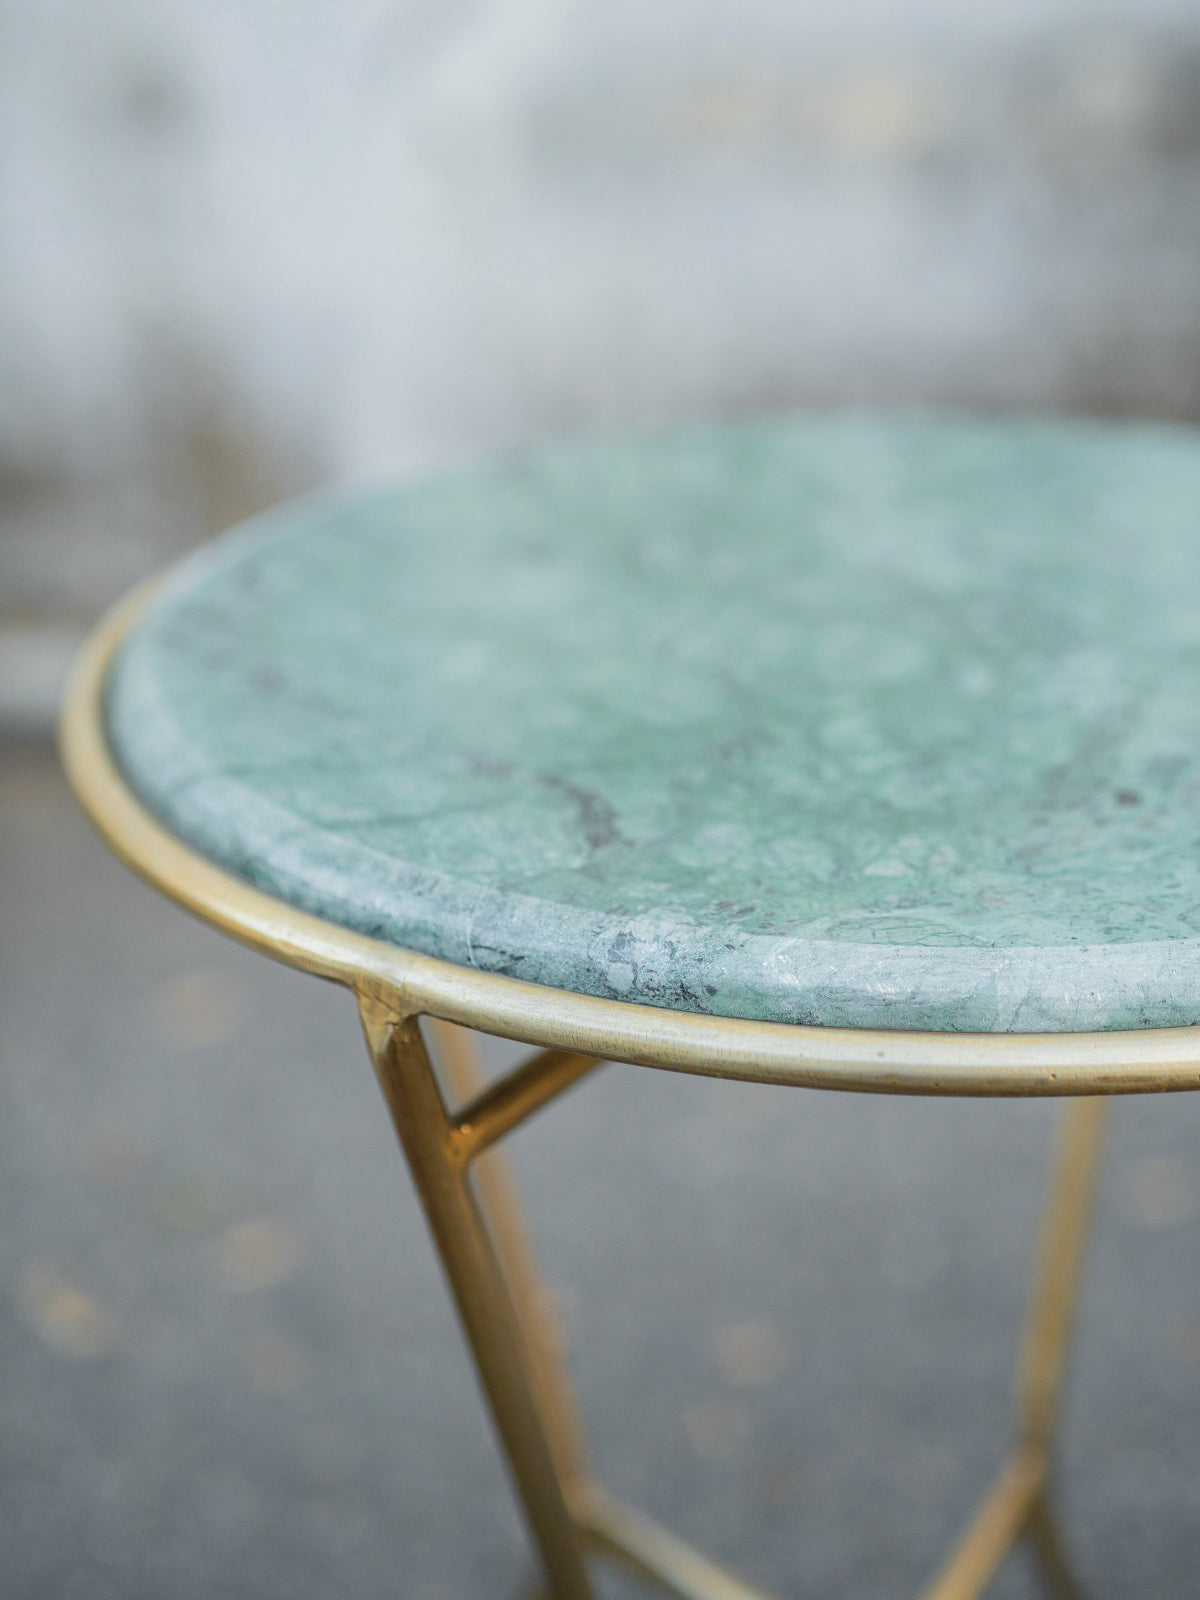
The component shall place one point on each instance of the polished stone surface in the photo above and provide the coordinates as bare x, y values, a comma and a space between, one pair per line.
839, 720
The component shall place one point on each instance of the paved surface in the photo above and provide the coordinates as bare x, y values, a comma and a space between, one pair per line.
229, 1368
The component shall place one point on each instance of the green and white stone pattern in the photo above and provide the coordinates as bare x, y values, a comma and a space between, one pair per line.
842, 720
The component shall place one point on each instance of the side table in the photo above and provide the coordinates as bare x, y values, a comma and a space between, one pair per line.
843, 752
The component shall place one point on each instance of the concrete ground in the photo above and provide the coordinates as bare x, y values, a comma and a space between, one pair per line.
229, 1367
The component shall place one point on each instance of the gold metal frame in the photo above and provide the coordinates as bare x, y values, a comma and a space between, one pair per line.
469, 1200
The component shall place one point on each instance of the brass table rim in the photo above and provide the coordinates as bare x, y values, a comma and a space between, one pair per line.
877, 1060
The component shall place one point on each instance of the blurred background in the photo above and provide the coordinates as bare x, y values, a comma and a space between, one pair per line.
247, 248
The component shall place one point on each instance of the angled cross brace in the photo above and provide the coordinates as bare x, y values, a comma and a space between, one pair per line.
509, 1322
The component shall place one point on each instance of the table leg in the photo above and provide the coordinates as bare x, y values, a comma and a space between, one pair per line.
476, 1280
1019, 1503
1063, 1245
458, 1054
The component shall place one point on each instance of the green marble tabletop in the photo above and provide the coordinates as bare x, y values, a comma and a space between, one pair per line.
846, 720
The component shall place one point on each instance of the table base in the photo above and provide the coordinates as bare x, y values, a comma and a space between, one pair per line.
471, 1205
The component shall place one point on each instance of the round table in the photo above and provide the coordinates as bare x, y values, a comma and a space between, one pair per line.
837, 751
